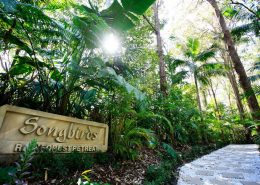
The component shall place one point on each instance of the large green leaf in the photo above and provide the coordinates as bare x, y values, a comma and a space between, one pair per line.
109, 72
137, 6
122, 16
25, 65
89, 95
56, 75
90, 28
21, 69
118, 18
19, 43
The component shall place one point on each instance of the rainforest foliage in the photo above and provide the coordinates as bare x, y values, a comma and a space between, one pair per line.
53, 59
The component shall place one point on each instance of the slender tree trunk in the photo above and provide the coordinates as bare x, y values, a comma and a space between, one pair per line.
162, 73
240, 107
205, 98
215, 99
239, 68
233, 82
234, 86
198, 93
236, 92
230, 102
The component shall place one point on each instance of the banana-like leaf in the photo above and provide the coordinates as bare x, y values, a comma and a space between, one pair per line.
19, 43
118, 18
25, 65
137, 6
122, 17
20, 69
109, 72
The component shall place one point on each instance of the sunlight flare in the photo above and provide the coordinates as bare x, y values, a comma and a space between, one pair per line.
111, 44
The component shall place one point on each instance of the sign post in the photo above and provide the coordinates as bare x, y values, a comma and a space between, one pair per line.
61, 134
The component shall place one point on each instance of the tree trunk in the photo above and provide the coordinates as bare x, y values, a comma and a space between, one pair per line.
162, 73
236, 92
198, 93
215, 99
205, 98
230, 102
234, 86
233, 82
239, 68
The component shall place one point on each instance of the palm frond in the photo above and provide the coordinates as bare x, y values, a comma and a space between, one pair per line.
178, 63
254, 78
256, 67
193, 47
240, 31
212, 69
203, 79
206, 71
205, 55
179, 77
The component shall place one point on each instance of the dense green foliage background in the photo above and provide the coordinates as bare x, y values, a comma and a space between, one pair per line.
52, 60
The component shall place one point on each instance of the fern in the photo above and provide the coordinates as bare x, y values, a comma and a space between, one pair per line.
128, 139
170, 151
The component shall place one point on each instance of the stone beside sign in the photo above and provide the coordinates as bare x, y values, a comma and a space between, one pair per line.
18, 126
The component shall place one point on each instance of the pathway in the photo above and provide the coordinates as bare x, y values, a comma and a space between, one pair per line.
231, 165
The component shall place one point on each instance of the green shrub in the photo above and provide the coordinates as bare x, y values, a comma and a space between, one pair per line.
24, 163
159, 174
130, 139
4, 174
75, 160
197, 151
256, 139
48, 160
60, 165
104, 158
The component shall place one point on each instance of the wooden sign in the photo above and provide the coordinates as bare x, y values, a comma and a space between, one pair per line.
18, 126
